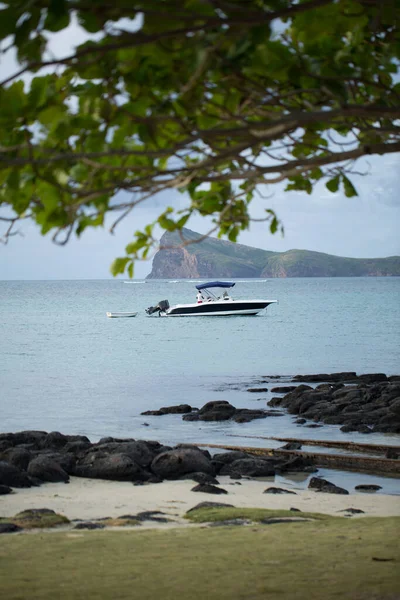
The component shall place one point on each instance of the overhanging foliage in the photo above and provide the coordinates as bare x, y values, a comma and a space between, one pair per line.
209, 97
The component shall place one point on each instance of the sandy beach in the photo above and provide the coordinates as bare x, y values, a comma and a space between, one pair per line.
93, 499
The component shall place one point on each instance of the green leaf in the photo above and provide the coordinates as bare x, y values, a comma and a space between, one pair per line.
38, 93
349, 189
274, 225
130, 270
89, 21
333, 184
118, 266
52, 116
8, 19
57, 16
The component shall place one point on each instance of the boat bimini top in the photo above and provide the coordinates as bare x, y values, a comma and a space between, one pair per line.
212, 284
204, 287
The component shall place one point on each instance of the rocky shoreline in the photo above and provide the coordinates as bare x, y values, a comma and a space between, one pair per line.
368, 403
30, 458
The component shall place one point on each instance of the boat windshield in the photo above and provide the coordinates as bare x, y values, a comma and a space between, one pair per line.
214, 295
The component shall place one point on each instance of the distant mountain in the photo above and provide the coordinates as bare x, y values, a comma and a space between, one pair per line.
213, 258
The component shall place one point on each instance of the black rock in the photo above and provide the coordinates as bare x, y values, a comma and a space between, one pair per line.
13, 477
65, 460
292, 446
298, 464
148, 515
169, 410
54, 439
19, 457
114, 467
324, 377
348, 428
252, 467
353, 511
77, 447
254, 390
372, 377
283, 389
9, 528
275, 490
247, 415
47, 469
194, 447
395, 406
175, 463
392, 454
4, 489
201, 478
208, 489
89, 525
24, 437
322, 485
368, 487
229, 457
137, 450
191, 417
364, 429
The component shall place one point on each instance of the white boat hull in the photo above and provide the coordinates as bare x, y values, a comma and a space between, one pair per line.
120, 315
218, 308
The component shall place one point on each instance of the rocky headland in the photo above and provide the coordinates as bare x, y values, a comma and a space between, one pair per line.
214, 258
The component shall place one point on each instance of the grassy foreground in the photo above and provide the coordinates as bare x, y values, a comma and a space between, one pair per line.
327, 558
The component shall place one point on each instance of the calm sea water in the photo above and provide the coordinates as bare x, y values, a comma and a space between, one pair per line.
65, 366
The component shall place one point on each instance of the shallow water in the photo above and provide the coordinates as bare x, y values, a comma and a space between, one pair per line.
65, 366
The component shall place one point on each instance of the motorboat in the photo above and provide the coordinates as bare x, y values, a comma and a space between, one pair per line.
210, 304
115, 315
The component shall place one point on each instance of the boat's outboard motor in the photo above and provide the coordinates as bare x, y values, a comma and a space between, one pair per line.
162, 306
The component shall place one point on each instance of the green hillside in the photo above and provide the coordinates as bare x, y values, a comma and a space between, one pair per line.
305, 263
217, 258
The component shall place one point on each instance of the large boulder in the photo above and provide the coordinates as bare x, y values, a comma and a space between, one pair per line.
77, 447
177, 462
395, 406
47, 469
140, 452
22, 437
216, 410
115, 467
65, 460
230, 457
252, 467
54, 440
19, 457
322, 485
13, 477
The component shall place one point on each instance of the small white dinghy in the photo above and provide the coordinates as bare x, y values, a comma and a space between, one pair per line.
116, 315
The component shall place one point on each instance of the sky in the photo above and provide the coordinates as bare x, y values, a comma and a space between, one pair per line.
366, 226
